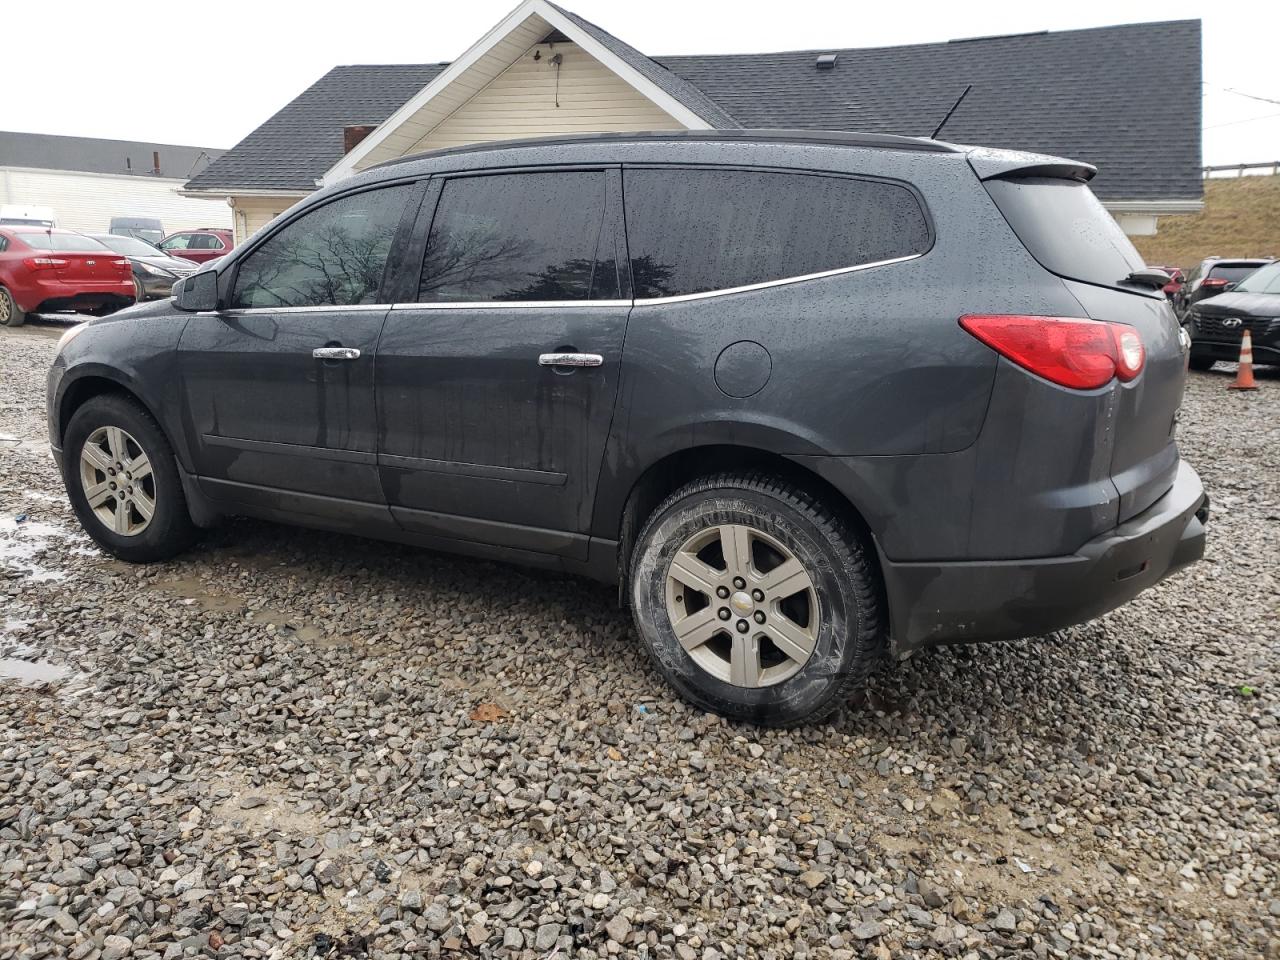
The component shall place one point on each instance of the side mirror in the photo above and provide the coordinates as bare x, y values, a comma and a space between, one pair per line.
197, 292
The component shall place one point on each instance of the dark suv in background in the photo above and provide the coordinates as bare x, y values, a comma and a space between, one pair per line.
770, 383
1217, 324
1212, 277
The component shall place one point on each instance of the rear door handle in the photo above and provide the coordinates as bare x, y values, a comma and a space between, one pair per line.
570, 360
336, 353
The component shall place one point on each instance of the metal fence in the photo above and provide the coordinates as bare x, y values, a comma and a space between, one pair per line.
1270, 168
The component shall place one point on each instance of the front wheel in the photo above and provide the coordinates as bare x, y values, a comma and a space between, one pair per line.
122, 479
755, 600
11, 315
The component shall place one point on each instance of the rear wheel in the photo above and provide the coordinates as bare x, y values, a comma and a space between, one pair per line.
755, 600
122, 479
11, 315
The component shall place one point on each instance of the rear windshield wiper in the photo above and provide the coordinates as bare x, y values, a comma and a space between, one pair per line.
1147, 277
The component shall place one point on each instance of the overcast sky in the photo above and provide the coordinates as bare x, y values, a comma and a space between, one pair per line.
208, 73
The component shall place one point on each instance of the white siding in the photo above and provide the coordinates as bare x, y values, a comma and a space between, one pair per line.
521, 102
254, 213
87, 201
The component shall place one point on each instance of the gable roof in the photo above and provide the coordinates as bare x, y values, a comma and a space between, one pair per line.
528, 24
1102, 95
297, 145
42, 151
665, 79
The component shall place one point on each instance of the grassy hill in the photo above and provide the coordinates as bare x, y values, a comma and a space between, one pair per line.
1241, 218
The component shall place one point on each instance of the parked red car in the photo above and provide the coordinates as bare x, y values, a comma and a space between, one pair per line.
1176, 276
203, 245
50, 269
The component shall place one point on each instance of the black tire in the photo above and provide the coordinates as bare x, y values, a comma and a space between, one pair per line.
850, 639
1201, 363
10, 312
170, 530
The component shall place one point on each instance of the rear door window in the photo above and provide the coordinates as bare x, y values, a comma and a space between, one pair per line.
702, 230
518, 237
1066, 229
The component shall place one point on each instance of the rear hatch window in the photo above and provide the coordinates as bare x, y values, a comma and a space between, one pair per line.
1233, 272
1067, 230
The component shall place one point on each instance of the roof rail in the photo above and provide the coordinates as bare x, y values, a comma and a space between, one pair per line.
827, 138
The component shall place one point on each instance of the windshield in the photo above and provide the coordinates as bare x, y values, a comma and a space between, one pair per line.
1263, 280
1064, 226
131, 247
67, 242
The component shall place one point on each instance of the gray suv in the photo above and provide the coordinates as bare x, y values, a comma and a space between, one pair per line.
808, 399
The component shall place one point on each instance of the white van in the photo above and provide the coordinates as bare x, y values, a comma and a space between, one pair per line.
16, 213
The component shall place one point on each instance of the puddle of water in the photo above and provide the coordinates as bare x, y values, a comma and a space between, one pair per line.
192, 591
22, 543
31, 672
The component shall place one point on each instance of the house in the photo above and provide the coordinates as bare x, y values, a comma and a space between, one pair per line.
88, 181
1105, 95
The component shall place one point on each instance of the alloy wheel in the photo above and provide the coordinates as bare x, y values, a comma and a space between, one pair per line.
117, 480
742, 605
6, 308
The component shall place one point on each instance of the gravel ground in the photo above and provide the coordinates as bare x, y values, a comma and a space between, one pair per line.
298, 744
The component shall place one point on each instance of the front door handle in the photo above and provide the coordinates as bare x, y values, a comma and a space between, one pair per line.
570, 360
336, 353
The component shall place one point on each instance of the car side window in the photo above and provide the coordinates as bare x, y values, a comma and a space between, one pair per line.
179, 241
520, 236
4, 244
333, 255
700, 230
200, 241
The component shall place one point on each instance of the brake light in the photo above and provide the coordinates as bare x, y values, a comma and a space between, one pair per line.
44, 263
1081, 354
1213, 282
125, 266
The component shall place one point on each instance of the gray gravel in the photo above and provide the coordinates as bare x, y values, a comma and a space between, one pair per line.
298, 744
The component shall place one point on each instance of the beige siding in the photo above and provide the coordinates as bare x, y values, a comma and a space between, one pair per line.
87, 201
254, 213
521, 102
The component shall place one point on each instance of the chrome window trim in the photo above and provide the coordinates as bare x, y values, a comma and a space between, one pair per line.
647, 301
323, 308
727, 291
560, 304
508, 304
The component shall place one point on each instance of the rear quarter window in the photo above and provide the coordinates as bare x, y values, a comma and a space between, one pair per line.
1064, 226
701, 230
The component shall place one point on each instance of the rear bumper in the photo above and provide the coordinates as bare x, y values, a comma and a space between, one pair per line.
54, 294
932, 604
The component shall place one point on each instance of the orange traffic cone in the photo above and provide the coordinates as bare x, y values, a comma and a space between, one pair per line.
1244, 376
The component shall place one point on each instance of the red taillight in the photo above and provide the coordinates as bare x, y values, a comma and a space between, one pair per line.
126, 268
1214, 282
44, 263
1082, 354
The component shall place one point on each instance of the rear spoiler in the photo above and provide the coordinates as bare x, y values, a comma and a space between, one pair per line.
991, 164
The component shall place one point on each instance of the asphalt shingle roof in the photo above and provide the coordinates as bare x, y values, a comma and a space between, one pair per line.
42, 151
1124, 98
297, 145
